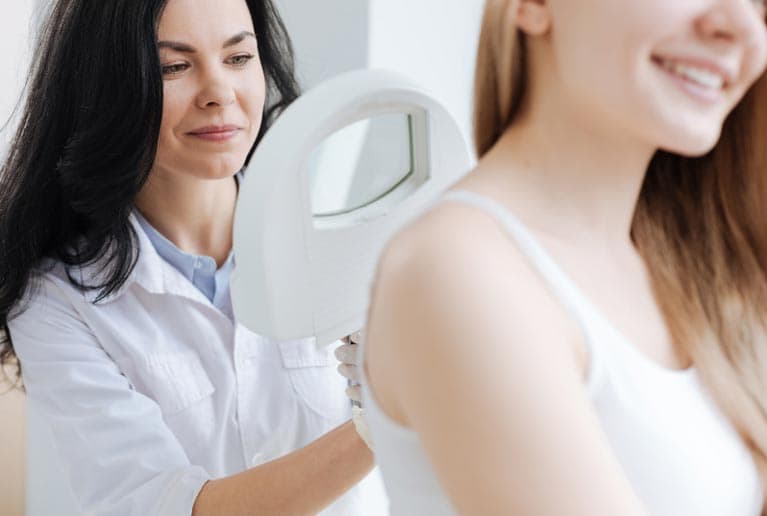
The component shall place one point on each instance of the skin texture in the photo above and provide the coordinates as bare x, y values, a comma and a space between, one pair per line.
636, 98
190, 198
212, 85
299, 484
466, 345
191, 192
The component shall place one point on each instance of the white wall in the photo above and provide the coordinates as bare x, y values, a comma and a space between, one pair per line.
14, 52
15, 43
330, 36
432, 41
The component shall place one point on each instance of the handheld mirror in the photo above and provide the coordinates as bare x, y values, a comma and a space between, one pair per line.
344, 167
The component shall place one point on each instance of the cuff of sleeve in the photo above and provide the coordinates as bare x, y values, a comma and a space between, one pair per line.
182, 491
360, 424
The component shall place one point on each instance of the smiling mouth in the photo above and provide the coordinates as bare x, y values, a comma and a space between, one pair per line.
704, 81
698, 76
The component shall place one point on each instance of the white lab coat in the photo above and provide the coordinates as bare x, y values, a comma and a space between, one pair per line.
153, 391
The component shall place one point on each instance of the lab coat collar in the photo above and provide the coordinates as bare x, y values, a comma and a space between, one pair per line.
150, 272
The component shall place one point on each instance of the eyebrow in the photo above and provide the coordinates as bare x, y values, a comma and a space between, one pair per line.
183, 47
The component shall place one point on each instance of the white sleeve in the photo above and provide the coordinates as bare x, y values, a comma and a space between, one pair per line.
119, 455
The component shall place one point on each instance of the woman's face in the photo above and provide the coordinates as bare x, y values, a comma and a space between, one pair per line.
667, 71
213, 87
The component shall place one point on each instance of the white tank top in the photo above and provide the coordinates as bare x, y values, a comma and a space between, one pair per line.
679, 452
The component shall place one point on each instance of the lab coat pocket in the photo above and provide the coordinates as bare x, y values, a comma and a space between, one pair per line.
313, 373
175, 380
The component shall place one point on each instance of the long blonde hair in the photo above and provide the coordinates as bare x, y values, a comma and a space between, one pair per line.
700, 225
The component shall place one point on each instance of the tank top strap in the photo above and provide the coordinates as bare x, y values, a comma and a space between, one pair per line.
559, 284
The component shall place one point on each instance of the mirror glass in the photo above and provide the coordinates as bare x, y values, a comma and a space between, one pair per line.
360, 164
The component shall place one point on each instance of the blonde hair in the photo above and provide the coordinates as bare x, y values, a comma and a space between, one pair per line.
700, 226
499, 82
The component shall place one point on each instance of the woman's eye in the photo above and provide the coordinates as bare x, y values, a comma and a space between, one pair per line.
240, 59
174, 69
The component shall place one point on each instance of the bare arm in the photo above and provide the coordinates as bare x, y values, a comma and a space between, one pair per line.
301, 483
467, 347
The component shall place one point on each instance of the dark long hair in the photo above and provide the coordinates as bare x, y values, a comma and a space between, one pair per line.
87, 140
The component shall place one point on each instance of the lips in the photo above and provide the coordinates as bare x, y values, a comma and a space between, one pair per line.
705, 81
701, 73
214, 129
216, 133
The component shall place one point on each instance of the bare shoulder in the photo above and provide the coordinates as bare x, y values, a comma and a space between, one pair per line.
457, 239
456, 250
449, 234
468, 348
451, 288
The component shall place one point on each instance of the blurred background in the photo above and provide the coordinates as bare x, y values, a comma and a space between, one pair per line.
16, 27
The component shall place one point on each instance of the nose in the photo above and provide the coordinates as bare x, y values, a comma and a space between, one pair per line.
733, 21
215, 91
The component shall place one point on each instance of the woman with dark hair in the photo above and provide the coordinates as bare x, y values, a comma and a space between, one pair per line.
116, 210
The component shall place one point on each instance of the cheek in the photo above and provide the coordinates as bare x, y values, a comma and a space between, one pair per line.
174, 106
600, 73
609, 73
607, 42
253, 99
759, 58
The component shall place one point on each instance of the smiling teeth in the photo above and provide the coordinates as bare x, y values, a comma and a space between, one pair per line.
705, 78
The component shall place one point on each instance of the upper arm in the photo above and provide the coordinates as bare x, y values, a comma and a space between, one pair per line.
118, 453
467, 347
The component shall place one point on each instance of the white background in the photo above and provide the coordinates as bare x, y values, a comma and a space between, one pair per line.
432, 41
14, 54
15, 48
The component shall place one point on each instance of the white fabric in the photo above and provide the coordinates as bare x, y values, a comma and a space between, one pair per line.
681, 455
153, 390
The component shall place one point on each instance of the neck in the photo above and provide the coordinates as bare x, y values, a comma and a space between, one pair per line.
588, 177
195, 214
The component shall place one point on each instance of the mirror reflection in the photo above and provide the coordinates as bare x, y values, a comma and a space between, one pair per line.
360, 164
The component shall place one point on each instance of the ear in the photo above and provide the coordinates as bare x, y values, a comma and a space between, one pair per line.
533, 17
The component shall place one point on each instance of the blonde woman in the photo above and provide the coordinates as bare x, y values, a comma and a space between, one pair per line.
578, 328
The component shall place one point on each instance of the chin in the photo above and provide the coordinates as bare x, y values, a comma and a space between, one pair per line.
213, 172
224, 173
218, 169
692, 144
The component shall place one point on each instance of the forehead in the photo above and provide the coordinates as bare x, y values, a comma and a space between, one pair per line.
204, 21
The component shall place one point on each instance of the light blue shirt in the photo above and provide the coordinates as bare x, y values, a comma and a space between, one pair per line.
200, 270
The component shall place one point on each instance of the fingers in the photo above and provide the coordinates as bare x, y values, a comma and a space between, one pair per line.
350, 372
347, 354
354, 338
354, 393
357, 337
